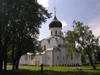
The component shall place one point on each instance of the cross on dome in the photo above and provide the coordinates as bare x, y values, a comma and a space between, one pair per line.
55, 10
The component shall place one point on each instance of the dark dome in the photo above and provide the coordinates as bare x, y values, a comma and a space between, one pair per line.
55, 23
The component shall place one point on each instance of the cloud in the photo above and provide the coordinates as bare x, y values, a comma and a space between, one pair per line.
98, 4
63, 23
57, 1
44, 2
95, 25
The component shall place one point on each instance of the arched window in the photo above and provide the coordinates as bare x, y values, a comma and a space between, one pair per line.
44, 47
55, 32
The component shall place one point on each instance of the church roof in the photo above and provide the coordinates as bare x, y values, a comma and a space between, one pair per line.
53, 48
55, 23
53, 36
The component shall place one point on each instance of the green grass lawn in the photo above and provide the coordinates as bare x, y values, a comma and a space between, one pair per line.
31, 70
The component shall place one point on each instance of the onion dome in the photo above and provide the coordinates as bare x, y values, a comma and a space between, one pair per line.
55, 23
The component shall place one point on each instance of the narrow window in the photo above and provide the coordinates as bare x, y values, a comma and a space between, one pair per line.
63, 57
26, 58
71, 56
55, 32
48, 58
44, 47
67, 56
57, 57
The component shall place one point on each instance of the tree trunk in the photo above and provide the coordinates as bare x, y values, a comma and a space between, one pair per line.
17, 63
5, 58
1, 62
13, 59
1, 56
89, 56
5, 54
91, 61
19, 52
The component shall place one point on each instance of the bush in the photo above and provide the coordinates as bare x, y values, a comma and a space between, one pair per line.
62, 64
86, 64
45, 65
59, 64
23, 64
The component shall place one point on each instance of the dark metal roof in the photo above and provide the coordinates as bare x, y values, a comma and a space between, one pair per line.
55, 23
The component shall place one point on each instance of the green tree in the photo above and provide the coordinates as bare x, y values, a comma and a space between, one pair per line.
97, 53
19, 21
81, 40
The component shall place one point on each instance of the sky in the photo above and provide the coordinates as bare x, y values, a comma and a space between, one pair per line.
86, 11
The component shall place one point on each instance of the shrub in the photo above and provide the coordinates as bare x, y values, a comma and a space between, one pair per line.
59, 64
45, 65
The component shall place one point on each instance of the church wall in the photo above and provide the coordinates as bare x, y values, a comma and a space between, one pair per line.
77, 59
53, 42
70, 61
24, 61
49, 58
37, 60
44, 58
60, 41
63, 56
57, 59
44, 42
74, 61
55, 29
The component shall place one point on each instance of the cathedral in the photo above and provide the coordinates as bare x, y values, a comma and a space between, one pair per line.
52, 52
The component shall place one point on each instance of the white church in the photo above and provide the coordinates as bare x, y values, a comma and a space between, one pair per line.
53, 53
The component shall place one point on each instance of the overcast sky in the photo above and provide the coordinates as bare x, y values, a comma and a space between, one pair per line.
86, 11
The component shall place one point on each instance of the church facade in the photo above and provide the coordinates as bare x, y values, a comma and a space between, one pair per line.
52, 51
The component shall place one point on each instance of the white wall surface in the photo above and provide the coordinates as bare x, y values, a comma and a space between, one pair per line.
44, 42
53, 42
55, 29
49, 55
60, 41
55, 55
24, 61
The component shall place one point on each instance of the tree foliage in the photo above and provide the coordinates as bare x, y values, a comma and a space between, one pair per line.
20, 21
81, 40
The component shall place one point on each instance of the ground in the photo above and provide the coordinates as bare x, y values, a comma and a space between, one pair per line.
58, 70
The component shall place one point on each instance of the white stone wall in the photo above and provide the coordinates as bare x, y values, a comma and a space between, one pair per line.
44, 58
63, 56
44, 42
53, 42
75, 60
24, 61
56, 58
60, 41
37, 60
49, 58
55, 29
